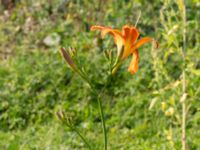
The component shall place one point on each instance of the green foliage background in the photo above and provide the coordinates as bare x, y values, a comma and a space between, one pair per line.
35, 82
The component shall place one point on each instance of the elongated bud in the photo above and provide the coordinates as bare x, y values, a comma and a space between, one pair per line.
115, 68
66, 55
119, 56
118, 60
60, 115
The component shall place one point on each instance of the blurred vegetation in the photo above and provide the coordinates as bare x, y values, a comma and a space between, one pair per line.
143, 111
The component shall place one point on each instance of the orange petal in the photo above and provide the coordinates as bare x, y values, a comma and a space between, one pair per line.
130, 35
141, 42
133, 67
96, 28
105, 30
119, 40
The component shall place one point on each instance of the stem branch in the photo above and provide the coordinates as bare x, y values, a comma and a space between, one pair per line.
81, 136
100, 108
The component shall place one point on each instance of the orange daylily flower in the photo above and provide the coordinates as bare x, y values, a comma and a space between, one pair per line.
127, 44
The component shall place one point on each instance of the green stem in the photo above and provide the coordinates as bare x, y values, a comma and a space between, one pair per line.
84, 77
103, 123
81, 136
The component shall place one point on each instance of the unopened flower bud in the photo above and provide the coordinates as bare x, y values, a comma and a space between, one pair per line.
66, 55
60, 115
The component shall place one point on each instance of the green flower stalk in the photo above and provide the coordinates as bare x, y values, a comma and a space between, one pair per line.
127, 44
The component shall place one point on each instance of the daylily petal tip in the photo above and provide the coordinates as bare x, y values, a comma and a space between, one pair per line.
132, 71
96, 27
92, 28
